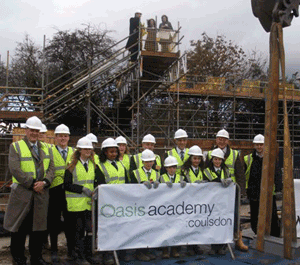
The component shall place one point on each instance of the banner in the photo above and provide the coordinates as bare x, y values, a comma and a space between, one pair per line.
132, 216
297, 204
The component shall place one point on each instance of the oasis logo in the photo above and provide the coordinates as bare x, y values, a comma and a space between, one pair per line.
109, 210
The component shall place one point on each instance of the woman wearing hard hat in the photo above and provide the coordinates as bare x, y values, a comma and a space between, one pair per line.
112, 171
192, 172
148, 143
148, 176
124, 152
79, 185
94, 141
253, 165
217, 171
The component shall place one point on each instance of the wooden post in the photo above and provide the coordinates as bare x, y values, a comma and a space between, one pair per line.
271, 109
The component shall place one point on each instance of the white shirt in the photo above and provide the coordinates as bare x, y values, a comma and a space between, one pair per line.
179, 150
146, 171
171, 177
261, 156
224, 150
61, 149
195, 168
83, 162
217, 168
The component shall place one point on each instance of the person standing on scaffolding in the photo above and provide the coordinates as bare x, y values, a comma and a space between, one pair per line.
132, 43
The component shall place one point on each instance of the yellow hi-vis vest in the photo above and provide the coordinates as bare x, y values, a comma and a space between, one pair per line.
229, 162
141, 176
191, 177
77, 202
96, 159
174, 153
139, 163
165, 178
26, 160
248, 161
126, 163
111, 174
211, 175
60, 166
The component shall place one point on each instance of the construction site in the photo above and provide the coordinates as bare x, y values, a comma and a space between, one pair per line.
155, 94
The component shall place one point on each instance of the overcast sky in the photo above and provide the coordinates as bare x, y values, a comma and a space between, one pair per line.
232, 18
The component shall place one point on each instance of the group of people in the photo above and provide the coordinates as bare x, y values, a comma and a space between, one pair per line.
54, 180
151, 43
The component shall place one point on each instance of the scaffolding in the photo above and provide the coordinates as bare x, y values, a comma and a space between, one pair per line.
153, 95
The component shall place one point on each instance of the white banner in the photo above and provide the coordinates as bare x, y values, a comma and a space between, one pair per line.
297, 204
132, 216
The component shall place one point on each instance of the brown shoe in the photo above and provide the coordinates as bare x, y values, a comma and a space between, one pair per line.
239, 244
166, 254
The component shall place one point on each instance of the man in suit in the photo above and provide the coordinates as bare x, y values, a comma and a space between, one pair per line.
31, 165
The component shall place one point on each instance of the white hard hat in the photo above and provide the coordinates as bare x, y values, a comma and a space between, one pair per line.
147, 155
138, 11
92, 137
149, 138
34, 123
195, 150
121, 140
109, 142
180, 134
44, 128
62, 129
223, 133
170, 161
84, 142
218, 153
259, 139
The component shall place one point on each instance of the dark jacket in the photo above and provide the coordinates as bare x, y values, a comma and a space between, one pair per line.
253, 191
165, 25
133, 31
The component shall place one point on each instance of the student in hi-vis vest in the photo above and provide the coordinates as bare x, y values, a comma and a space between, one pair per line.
192, 172
170, 177
149, 177
79, 186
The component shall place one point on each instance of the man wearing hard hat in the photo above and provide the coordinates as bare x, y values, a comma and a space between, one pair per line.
180, 151
235, 166
62, 154
148, 142
31, 165
253, 165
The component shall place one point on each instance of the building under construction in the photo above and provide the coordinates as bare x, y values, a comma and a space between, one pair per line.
153, 95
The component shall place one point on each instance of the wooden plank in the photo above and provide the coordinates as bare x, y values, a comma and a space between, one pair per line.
19, 115
270, 133
160, 54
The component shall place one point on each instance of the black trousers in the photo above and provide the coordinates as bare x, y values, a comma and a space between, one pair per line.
81, 225
18, 239
57, 208
254, 211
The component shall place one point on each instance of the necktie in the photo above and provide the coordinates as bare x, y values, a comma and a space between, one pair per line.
64, 154
182, 155
196, 172
148, 174
86, 167
219, 172
114, 164
36, 150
